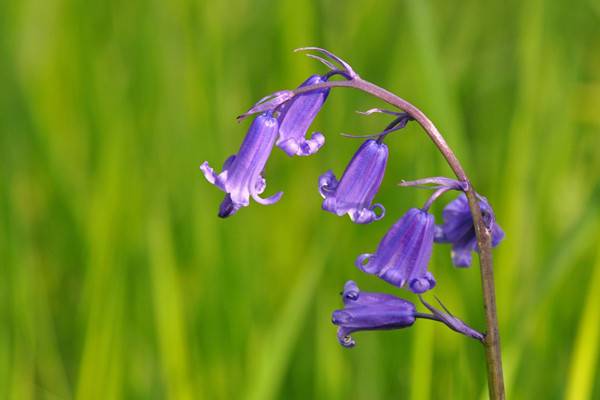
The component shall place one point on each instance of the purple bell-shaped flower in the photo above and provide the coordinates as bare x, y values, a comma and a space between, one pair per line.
379, 311
353, 194
241, 177
296, 116
404, 252
370, 311
458, 229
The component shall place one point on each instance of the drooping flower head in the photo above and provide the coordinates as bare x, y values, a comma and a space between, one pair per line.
296, 116
370, 311
458, 229
354, 192
378, 311
241, 177
404, 252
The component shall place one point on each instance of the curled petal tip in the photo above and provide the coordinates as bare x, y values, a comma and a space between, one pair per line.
347, 341
351, 291
421, 285
362, 261
381, 208
302, 147
269, 200
208, 172
367, 215
327, 183
312, 145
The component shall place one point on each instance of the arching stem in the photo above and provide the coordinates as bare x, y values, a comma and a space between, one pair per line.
484, 242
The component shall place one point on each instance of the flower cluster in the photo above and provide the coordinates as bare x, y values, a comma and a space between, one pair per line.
402, 256
283, 121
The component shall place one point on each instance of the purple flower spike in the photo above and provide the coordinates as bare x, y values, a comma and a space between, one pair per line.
241, 176
355, 191
458, 229
370, 311
296, 117
403, 253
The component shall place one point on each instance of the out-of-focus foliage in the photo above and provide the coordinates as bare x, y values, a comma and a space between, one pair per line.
117, 280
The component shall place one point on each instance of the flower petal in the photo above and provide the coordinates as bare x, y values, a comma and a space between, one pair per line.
327, 184
228, 207
312, 145
351, 291
208, 172
461, 256
290, 146
269, 200
421, 285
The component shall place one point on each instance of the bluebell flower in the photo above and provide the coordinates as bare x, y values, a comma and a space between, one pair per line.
378, 311
370, 311
404, 252
296, 116
241, 177
354, 192
458, 229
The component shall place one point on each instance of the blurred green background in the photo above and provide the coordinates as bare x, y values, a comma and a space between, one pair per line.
117, 280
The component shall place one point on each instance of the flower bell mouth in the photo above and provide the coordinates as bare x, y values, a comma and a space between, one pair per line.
458, 229
353, 194
404, 252
241, 177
